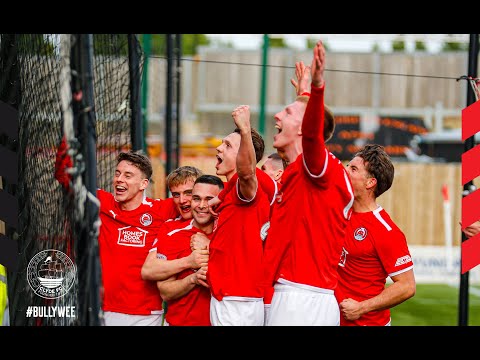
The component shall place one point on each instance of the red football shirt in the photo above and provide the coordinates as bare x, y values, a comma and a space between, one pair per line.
192, 309
307, 226
236, 249
124, 242
374, 249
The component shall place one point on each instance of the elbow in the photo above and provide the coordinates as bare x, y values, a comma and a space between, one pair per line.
164, 294
145, 273
410, 291
165, 297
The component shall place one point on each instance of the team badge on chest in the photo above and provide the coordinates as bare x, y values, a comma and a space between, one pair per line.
146, 219
360, 234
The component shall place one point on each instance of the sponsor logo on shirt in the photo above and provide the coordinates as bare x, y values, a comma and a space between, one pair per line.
264, 230
403, 260
113, 214
146, 219
132, 236
360, 234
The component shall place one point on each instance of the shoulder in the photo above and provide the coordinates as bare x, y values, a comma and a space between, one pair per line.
177, 224
384, 223
104, 196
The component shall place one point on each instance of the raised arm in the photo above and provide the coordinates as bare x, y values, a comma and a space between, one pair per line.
313, 141
302, 84
246, 160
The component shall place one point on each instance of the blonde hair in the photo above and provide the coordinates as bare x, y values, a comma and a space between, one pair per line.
181, 175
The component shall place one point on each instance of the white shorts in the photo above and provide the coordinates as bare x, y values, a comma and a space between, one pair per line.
237, 311
302, 305
120, 319
267, 313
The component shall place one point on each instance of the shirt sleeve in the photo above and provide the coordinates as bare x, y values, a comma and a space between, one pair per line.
313, 142
392, 249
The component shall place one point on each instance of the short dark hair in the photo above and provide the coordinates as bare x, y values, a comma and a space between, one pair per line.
258, 143
379, 165
210, 179
182, 174
329, 124
141, 161
275, 157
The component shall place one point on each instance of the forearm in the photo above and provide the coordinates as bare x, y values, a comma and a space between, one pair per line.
155, 269
174, 289
313, 141
246, 165
391, 296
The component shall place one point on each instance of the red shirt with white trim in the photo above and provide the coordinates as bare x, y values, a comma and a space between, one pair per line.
307, 226
236, 249
192, 309
374, 249
125, 239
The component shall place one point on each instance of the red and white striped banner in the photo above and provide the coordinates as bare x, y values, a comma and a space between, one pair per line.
470, 202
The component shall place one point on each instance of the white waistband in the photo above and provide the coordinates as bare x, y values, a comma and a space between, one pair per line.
286, 285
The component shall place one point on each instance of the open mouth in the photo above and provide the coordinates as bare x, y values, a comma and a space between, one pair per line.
219, 161
120, 189
185, 208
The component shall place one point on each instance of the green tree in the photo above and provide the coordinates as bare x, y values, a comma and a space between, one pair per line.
312, 42
277, 42
454, 46
110, 44
420, 46
190, 43
39, 44
398, 45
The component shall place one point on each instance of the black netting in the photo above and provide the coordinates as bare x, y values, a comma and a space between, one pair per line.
48, 215
112, 102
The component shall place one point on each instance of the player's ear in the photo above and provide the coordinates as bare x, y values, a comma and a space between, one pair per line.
371, 183
144, 184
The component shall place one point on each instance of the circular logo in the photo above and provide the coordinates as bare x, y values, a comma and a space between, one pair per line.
51, 274
360, 234
146, 219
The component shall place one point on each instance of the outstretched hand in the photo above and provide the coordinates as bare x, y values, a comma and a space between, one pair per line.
302, 84
318, 64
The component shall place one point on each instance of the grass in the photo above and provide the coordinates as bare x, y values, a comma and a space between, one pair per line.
436, 305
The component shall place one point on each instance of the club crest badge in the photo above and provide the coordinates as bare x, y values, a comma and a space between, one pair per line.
360, 234
51, 274
146, 219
